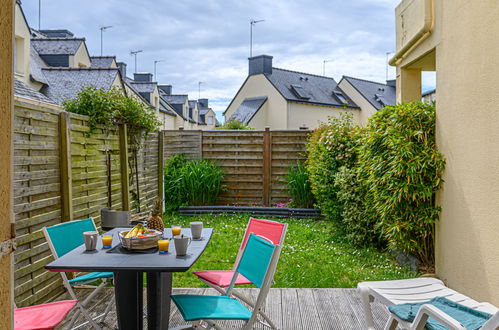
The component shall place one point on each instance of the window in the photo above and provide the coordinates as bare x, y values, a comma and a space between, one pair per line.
300, 92
210, 120
340, 97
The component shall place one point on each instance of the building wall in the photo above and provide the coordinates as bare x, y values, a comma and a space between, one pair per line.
311, 116
80, 59
466, 61
213, 115
275, 116
367, 109
21, 46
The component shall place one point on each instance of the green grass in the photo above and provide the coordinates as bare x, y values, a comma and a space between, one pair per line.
314, 255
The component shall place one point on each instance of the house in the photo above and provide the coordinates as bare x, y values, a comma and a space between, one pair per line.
458, 40
207, 116
430, 95
285, 99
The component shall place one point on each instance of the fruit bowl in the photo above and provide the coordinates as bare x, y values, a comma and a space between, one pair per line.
141, 242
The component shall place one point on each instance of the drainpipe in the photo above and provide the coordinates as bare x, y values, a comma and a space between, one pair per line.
419, 37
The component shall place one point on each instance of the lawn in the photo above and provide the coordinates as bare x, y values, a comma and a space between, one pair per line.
315, 255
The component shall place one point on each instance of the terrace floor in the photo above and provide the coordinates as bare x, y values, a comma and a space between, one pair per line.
290, 309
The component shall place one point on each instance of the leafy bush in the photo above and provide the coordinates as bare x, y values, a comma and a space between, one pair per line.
106, 109
330, 147
360, 221
196, 182
402, 170
234, 124
299, 188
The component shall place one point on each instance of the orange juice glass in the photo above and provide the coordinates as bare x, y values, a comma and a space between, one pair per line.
107, 241
163, 245
176, 229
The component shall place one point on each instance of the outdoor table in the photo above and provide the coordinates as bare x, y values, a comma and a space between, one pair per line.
128, 276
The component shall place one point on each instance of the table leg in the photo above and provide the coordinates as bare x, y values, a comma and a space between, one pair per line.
128, 289
159, 289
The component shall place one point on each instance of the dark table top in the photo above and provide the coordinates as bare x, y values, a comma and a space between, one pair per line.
101, 261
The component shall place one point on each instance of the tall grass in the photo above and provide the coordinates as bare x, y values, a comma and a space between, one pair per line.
299, 187
195, 182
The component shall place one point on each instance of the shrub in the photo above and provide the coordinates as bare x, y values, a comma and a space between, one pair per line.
330, 147
196, 182
234, 124
360, 221
402, 168
299, 187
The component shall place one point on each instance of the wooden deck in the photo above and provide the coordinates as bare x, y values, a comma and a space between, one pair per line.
290, 309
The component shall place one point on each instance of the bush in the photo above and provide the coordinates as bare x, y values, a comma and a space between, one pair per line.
234, 124
299, 188
330, 147
360, 221
402, 168
196, 182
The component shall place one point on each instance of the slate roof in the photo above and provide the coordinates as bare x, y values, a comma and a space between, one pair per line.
308, 88
176, 98
102, 61
165, 107
192, 103
248, 109
66, 83
378, 94
143, 86
36, 64
23, 90
57, 46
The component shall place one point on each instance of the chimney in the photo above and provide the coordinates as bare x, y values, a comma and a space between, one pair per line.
61, 33
261, 64
142, 76
122, 69
392, 83
203, 103
166, 88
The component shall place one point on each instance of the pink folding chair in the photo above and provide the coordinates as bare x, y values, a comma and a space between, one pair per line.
221, 279
42, 317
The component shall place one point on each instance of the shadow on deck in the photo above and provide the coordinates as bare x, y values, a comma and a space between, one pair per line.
290, 309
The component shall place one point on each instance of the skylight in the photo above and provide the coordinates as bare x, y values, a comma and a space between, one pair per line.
340, 97
300, 92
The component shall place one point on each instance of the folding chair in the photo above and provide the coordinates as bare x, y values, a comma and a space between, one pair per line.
258, 264
46, 316
221, 279
63, 238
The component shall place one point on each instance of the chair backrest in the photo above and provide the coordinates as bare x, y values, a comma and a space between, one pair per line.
256, 258
492, 323
66, 236
272, 230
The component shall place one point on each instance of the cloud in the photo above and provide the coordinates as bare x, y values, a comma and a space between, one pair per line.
208, 40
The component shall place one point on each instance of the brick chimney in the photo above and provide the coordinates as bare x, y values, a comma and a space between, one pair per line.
261, 64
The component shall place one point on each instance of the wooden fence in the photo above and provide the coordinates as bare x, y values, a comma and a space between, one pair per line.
63, 173
255, 162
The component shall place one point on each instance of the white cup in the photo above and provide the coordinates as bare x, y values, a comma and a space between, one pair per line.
90, 238
181, 244
196, 229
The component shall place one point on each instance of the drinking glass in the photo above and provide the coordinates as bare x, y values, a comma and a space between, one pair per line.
107, 241
176, 229
163, 245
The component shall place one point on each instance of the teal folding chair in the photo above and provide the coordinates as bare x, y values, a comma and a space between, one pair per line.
63, 238
258, 264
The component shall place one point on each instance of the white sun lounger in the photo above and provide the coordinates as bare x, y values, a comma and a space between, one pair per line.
411, 291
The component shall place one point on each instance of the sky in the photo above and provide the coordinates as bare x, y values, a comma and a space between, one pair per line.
208, 40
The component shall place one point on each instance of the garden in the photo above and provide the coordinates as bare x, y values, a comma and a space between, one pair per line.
375, 187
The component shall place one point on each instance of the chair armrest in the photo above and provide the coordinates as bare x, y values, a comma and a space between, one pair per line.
427, 311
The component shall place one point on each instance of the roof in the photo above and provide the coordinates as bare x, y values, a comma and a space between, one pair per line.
23, 90
165, 107
57, 46
192, 103
66, 83
176, 98
143, 86
308, 88
102, 61
429, 92
378, 94
36, 64
248, 109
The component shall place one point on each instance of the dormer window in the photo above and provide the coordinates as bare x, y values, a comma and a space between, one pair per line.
340, 97
300, 92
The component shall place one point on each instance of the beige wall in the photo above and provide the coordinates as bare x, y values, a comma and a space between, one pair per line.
311, 116
213, 115
80, 59
276, 106
22, 46
367, 109
466, 60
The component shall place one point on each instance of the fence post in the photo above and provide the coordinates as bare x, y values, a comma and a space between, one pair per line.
125, 179
267, 165
66, 168
161, 165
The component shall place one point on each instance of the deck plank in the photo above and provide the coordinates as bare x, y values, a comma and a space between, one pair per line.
289, 309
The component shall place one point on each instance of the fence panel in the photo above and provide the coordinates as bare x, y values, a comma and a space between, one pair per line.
37, 201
